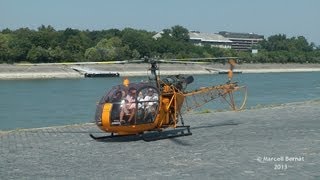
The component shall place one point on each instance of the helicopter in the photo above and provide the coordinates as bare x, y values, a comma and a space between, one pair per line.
134, 109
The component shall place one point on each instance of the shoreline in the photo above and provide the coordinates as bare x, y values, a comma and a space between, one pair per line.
66, 71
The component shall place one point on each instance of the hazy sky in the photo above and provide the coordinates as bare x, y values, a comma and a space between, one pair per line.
265, 17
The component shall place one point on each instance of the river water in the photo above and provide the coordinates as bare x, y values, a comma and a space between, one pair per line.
49, 102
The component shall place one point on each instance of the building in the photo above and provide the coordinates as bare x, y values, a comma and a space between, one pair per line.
211, 39
224, 39
242, 41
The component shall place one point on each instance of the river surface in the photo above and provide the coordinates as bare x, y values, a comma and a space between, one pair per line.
49, 102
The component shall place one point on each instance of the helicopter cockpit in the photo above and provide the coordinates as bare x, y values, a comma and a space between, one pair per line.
131, 104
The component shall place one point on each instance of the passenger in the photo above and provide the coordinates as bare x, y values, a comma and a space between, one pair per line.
140, 111
150, 104
151, 98
129, 105
140, 98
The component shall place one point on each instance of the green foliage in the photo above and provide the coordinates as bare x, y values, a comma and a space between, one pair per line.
38, 54
139, 40
20, 44
4, 47
57, 54
281, 43
110, 49
280, 49
92, 54
49, 45
180, 33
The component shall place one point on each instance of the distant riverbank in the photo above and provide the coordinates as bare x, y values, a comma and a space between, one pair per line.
45, 71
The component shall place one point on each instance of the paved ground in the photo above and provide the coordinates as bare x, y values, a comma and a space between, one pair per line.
270, 143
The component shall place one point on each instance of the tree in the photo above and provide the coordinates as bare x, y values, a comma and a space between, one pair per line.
45, 37
4, 47
109, 49
135, 54
141, 41
20, 44
180, 33
302, 44
38, 54
92, 54
48, 45
56, 54
277, 43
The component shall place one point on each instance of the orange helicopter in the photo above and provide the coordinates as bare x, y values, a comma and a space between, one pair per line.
132, 109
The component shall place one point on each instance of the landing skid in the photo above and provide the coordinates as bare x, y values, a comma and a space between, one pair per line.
177, 132
154, 136
108, 137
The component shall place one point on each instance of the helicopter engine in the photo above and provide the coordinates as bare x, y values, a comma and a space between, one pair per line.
178, 81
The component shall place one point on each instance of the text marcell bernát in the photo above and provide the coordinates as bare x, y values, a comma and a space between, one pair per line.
283, 159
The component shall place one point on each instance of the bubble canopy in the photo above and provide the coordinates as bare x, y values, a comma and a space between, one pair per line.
136, 103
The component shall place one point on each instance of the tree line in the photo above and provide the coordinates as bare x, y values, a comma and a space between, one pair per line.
47, 45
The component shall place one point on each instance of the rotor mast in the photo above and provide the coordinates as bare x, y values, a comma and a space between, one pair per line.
153, 69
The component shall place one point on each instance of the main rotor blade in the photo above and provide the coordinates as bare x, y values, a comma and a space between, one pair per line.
181, 62
202, 59
198, 60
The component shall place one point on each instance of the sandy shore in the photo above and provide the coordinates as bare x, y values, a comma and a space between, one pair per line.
42, 71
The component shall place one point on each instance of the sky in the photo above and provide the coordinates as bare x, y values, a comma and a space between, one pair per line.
264, 17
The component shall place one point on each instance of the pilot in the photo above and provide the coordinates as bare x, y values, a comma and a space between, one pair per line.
128, 105
116, 101
117, 97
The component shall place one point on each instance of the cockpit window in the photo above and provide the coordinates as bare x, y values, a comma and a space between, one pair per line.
134, 105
